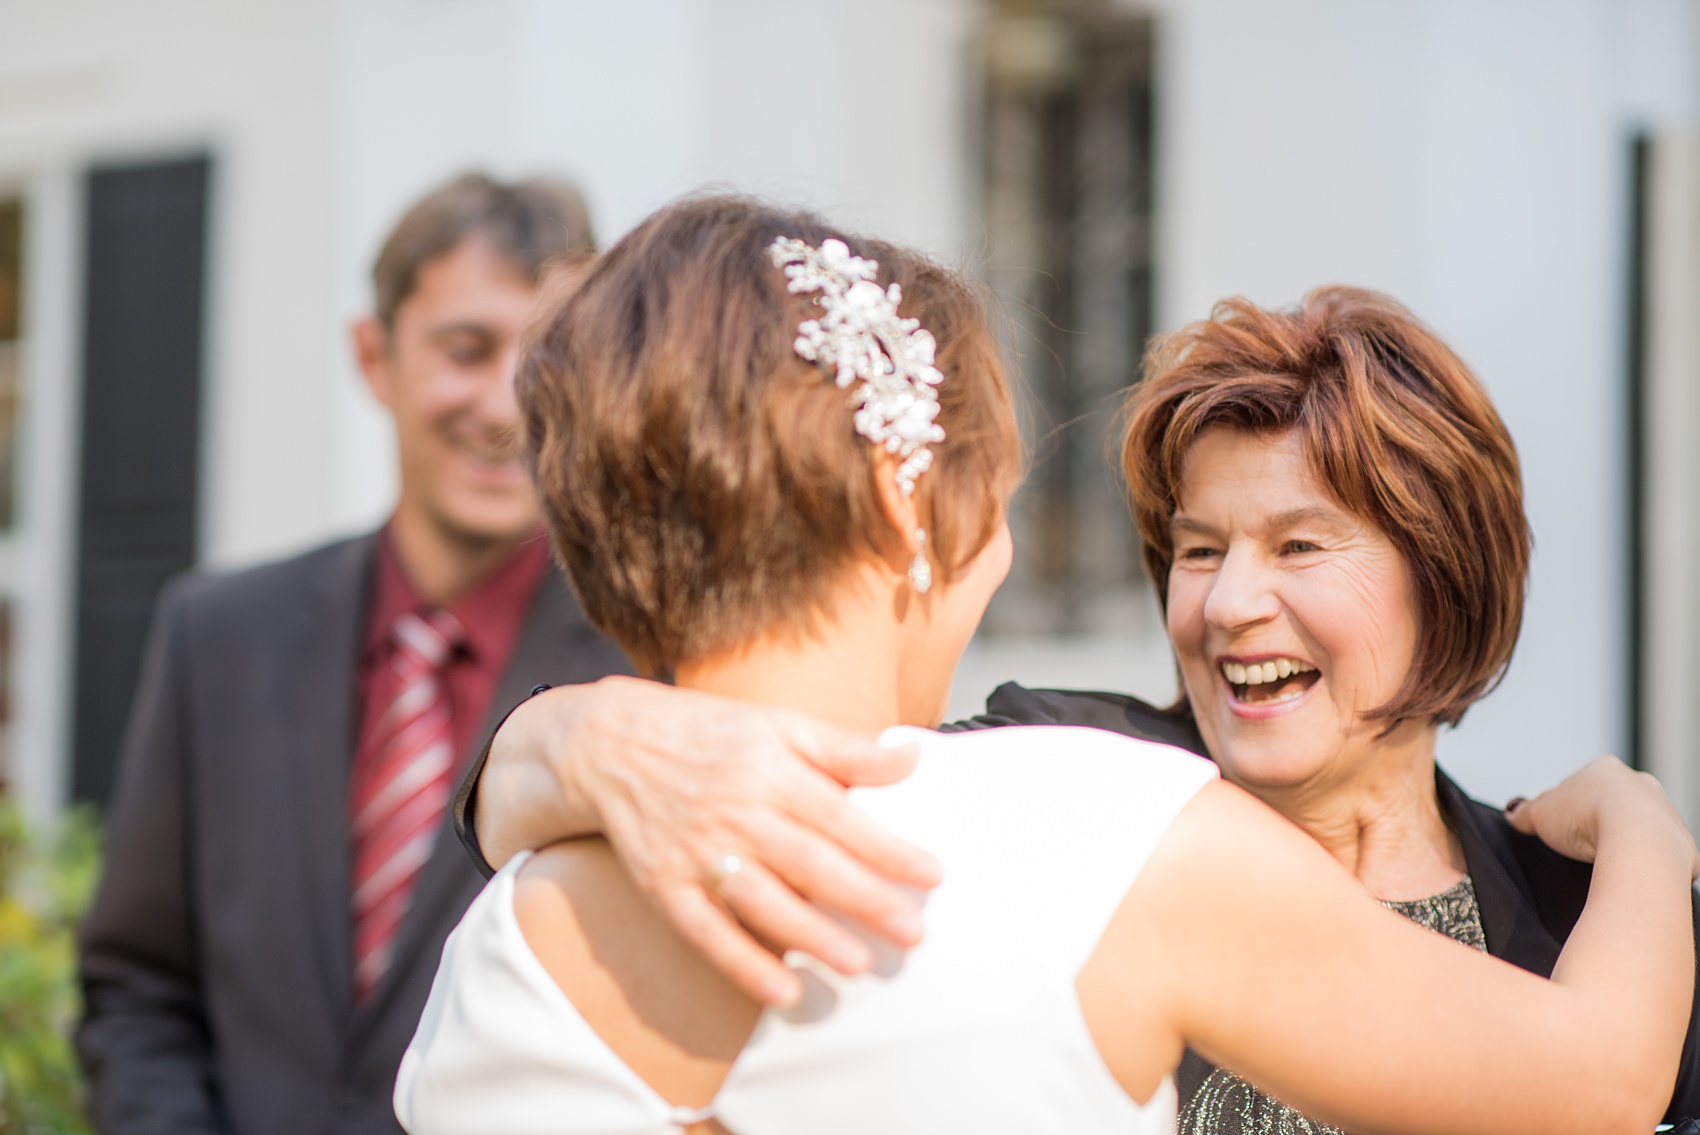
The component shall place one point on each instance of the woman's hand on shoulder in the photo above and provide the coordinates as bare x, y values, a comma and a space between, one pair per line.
1570, 817
682, 784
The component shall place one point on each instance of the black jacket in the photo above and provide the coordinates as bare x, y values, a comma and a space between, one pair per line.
1529, 895
216, 962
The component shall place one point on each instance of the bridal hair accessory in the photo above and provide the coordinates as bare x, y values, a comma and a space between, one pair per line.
920, 571
862, 338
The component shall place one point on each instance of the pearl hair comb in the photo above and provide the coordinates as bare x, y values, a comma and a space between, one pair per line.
861, 338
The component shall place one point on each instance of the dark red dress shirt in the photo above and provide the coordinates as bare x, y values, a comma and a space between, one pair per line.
492, 614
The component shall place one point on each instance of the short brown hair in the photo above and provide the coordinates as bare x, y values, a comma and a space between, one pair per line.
530, 223
1394, 424
702, 483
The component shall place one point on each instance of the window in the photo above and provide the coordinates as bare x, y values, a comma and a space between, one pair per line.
1068, 191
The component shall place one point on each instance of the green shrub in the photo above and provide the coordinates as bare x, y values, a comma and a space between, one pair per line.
45, 884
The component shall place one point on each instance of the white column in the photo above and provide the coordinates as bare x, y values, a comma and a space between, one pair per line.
1671, 460
44, 542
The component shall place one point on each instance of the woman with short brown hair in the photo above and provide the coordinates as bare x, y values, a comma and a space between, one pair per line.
1391, 421
729, 367
1332, 513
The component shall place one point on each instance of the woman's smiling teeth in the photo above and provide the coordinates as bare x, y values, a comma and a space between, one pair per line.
1274, 680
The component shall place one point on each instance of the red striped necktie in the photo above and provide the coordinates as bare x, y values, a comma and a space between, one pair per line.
400, 788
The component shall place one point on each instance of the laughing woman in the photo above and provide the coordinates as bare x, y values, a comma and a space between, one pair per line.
775, 460
1331, 511
1332, 515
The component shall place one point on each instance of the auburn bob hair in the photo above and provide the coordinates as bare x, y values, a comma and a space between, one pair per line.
1393, 425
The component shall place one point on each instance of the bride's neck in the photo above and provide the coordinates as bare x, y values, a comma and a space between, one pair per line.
843, 670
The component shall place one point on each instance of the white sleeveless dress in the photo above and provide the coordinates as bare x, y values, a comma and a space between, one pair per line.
1040, 830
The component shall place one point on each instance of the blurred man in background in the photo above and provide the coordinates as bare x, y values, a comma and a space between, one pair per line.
280, 875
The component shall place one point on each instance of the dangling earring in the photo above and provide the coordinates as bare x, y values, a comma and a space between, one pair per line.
920, 571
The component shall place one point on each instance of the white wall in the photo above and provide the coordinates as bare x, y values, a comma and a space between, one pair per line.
254, 83
644, 101
1471, 157
327, 117
86, 81
1467, 155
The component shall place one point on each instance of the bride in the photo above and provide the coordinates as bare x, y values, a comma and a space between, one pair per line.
775, 461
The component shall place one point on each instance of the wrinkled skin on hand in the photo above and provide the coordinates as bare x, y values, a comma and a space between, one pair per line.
1567, 818
676, 781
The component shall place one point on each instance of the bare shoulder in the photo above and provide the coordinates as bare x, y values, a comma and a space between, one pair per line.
554, 881
1130, 990
1168, 958
1229, 863
1227, 836
651, 998
578, 909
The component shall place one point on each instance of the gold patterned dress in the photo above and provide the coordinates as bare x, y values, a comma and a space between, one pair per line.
1226, 1105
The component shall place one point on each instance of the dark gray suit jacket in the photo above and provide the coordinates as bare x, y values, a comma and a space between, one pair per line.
216, 959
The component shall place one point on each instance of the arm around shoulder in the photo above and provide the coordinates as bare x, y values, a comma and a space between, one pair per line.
1558, 887
1245, 940
676, 780
1685, 1104
143, 1040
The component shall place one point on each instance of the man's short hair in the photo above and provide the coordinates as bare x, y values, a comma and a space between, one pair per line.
531, 223
1394, 425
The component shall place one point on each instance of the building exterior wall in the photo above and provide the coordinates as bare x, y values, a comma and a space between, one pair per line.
1469, 156
743, 94
84, 82
1472, 158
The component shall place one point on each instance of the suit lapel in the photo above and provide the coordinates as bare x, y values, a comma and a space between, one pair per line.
1510, 925
318, 722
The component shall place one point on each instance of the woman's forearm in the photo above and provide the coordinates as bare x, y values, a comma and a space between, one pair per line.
1355, 1016
1640, 863
528, 794
678, 781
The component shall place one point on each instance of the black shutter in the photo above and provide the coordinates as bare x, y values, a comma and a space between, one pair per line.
1635, 446
142, 336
